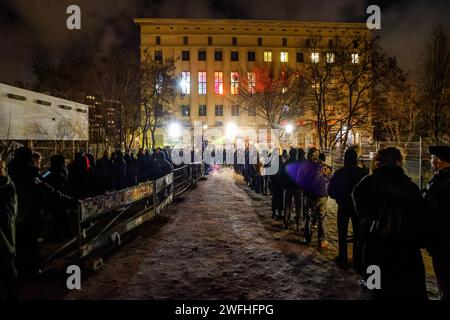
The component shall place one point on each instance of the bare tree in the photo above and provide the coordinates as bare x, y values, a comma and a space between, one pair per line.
116, 87
435, 82
272, 93
158, 93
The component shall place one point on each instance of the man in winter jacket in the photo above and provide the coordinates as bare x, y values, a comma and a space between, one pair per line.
8, 214
341, 188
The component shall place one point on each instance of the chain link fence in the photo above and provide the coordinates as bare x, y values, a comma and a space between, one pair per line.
416, 163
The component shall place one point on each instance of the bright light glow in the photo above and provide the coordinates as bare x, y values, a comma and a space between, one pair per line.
284, 57
185, 82
174, 130
205, 127
355, 58
289, 128
231, 130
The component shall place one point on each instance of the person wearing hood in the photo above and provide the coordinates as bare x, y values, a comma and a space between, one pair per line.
8, 215
437, 197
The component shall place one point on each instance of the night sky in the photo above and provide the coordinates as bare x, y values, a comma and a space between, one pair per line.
32, 28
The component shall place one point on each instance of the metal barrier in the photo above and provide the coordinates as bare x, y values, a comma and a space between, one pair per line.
103, 220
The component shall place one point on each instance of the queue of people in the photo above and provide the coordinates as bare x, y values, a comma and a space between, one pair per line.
392, 219
35, 203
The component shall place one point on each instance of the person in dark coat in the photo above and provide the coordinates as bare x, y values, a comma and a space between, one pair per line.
132, 169
57, 178
340, 188
32, 194
437, 197
141, 164
8, 215
277, 192
390, 208
119, 171
103, 170
292, 189
78, 177
313, 178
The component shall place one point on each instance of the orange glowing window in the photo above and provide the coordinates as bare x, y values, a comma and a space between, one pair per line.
218, 82
234, 83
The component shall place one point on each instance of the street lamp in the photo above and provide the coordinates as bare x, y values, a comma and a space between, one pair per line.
174, 130
231, 130
289, 128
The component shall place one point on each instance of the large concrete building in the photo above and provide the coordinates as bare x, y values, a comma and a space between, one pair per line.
209, 52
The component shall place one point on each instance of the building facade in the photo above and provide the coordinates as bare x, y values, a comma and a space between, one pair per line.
210, 54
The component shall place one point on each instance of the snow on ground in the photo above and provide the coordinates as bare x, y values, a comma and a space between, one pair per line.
221, 243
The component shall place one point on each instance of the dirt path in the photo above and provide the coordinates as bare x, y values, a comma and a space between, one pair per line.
220, 243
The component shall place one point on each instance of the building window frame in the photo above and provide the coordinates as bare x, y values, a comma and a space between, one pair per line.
234, 82
201, 55
267, 56
185, 110
185, 82
202, 83
202, 110
218, 110
218, 82
234, 56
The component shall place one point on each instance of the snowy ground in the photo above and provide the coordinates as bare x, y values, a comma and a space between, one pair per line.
221, 243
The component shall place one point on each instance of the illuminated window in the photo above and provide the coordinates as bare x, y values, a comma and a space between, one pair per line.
267, 56
218, 82
234, 83
159, 85
315, 57
284, 57
355, 58
185, 82
251, 77
283, 90
330, 57
202, 82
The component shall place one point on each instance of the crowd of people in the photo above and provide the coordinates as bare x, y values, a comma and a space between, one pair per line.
392, 219
37, 202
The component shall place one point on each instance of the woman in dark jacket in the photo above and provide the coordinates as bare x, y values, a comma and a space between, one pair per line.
390, 208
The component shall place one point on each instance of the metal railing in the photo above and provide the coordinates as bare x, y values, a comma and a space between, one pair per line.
104, 219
